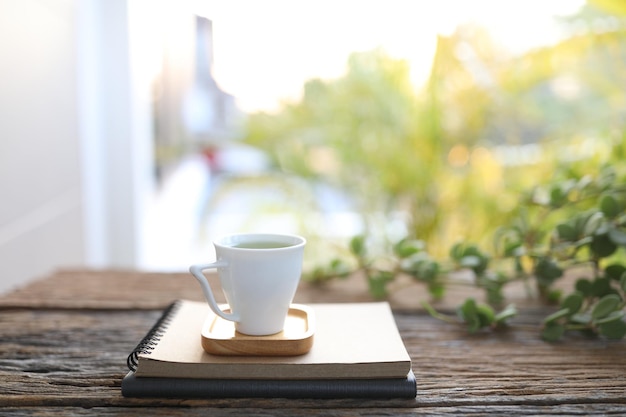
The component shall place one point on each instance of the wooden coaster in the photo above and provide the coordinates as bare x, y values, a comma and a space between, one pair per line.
220, 338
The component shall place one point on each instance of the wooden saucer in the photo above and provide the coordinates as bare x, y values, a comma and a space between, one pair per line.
220, 338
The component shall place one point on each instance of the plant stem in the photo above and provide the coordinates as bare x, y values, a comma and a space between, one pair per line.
434, 313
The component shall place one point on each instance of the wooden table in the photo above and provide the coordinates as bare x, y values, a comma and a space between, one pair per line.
64, 342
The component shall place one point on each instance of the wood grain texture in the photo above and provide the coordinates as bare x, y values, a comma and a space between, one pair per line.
119, 289
70, 361
294, 410
77, 358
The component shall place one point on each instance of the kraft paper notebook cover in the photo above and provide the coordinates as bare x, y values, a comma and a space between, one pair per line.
357, 352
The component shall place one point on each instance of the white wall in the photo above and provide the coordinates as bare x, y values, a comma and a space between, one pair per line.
40, 189
75, 137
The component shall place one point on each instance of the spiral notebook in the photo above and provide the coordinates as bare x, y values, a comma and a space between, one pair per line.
357, 353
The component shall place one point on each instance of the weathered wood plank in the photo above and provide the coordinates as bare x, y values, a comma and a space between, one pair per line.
290, 411
119, 289
77, 358
511, 367
112, 289
64, 343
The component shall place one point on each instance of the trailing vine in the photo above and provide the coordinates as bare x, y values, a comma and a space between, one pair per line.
566, 224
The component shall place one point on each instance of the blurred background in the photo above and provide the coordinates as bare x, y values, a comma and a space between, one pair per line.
133, 132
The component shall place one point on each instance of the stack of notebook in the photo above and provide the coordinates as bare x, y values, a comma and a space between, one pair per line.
356, 352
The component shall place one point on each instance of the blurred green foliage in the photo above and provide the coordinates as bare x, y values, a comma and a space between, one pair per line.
523, 155
453, 155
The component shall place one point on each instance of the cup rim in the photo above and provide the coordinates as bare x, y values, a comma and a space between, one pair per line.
226, 241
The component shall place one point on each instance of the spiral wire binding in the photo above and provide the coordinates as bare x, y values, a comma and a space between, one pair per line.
149, 342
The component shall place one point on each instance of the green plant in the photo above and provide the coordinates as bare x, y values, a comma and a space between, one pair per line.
565, 225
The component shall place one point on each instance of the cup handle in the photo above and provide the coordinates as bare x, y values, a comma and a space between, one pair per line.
196, 271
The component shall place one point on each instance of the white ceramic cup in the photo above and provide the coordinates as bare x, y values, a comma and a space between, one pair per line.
259, 274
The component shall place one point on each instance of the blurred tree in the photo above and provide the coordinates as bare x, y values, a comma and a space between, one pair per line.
367, 132
436, 154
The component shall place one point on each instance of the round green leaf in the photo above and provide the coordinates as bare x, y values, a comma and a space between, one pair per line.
424, 270
566, 232
547, 270
615, 271
603, 246
470, 256
378, 283
584, 286
573, 302
357, 245
467, 309
605, 306
615, 315
552, 332
486, 315
593, 223
429, 270
617, 236
614, 330
554, 296
469, 314
456, 251
609, 206
558, 196
408, 247
564, 312
581, 318
436, 290
579, 223
601, 287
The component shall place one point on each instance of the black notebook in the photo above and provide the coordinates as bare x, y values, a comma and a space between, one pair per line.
147, 387
357, 353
